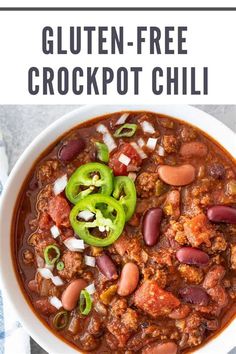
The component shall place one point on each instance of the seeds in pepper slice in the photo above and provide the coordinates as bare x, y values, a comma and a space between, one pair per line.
109, 219
87, 179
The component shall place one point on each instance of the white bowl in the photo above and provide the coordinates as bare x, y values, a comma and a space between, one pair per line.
50, 342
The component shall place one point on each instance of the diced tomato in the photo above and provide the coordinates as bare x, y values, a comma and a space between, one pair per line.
154, 300
118, 167
59, 210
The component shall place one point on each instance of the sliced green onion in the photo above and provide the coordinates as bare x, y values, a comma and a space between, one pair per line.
60, 320
102, 152
126, 130
60, 265
85, 303
51, 254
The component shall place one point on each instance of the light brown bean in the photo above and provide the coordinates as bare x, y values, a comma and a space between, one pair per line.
128, 280
177, 175
161, 348
193, 149
71, 294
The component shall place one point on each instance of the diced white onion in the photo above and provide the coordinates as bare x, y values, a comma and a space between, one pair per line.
55, 231
139, 150
161, 151
45, 273
151, 143
57, 280
86, 215
107, 137
141, 142
74, 244
49, 266
124, 159
147, 127
132, 175
89, 261
40, 261
60, 185
54, 301
122, 119
91, 289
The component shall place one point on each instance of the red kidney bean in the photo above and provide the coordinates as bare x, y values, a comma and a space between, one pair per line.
71, 294
106, 266
193, 148
161, 348
151, 226
194, 295
190, 255
71, 150
214, 276
216, 171
128, 279
222, 213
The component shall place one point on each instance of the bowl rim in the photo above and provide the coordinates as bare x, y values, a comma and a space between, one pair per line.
216, 129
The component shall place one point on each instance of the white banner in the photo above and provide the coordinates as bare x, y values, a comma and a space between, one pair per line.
164, 72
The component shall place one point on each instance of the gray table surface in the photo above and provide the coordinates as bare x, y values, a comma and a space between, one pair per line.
21, 124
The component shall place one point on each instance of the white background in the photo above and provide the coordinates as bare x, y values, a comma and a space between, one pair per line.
210, 42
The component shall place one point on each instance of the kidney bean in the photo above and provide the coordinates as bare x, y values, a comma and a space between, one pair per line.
216, 171
181, 312
71, 294
151, 226
219, 295
193, 149
128, 280
106, 266
222, 213
194, 295
214, 276
71, 149
161, 348
177, 175
190, 255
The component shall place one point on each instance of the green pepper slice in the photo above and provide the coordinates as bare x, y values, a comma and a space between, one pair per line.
102, 152
95, 176
60, 265
60, 320
126, 130
51, 254
85, 302
125, 193
109, 216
